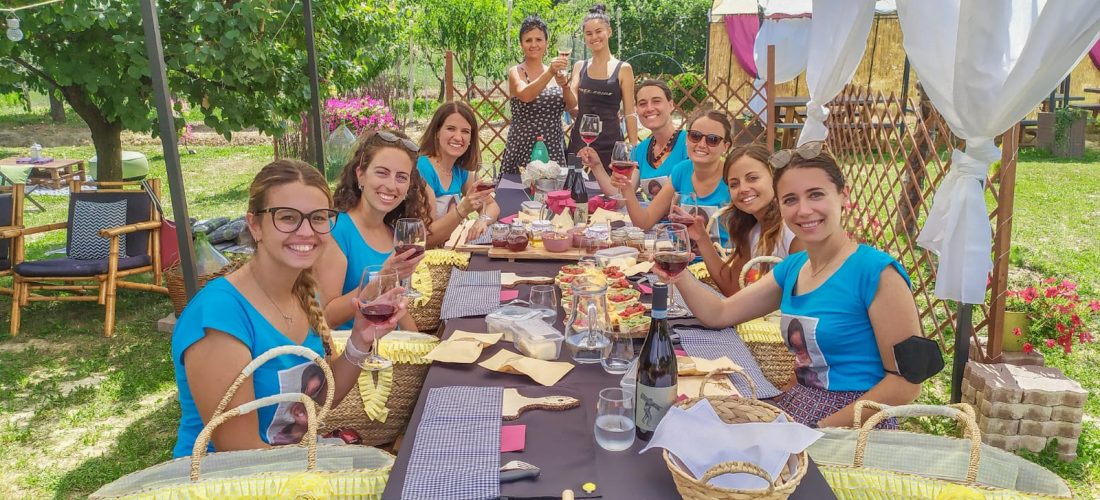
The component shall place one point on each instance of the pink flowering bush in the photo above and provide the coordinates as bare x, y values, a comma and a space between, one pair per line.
1058, 314
360, 114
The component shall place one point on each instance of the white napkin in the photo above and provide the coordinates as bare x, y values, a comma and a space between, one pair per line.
700, 440
510, 184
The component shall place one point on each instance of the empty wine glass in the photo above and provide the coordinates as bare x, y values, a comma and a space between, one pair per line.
565, 48
409, 234
672, 254
621, 163
376, 306
589, 127
545, 298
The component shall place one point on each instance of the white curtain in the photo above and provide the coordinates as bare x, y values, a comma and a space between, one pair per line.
985, 64
791, 37
837, 41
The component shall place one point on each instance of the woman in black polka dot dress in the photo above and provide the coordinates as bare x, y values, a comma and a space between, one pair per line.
539, 96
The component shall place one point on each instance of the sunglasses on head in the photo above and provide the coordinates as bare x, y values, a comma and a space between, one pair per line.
807, 151
394, 139
713, 140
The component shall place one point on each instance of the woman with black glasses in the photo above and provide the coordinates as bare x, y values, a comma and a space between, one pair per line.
269, 302
695, 182
378, 186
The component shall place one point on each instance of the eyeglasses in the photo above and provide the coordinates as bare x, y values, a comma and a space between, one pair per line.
288, 220
393, 139
807, 151
713, 140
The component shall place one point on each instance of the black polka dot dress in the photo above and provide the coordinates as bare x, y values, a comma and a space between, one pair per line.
530, 120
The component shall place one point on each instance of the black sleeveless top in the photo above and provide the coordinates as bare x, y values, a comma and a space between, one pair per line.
603, 98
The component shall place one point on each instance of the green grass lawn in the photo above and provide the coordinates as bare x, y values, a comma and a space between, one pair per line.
78, 411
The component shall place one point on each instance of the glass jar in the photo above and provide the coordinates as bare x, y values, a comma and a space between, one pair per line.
636, 239
537, 228
597, 238
517, 238
499, 233
620, 236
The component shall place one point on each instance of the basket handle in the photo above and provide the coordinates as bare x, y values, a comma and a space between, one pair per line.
738, 467
727, 371
961, 412
305, 352
198, 452
762, 259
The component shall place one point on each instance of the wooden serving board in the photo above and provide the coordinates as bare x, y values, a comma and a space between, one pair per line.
536, 252
515, 403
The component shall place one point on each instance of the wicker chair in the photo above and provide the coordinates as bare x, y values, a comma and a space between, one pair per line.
11, 223
115, 212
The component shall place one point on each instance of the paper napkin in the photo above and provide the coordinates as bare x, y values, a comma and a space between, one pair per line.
546, 373
463, 347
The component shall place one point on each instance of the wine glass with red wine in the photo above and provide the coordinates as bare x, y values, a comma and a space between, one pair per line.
589, 128
485, 178
376, 306
409, 234
672, 254
621, 163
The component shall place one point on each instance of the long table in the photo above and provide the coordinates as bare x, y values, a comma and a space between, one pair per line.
561, 443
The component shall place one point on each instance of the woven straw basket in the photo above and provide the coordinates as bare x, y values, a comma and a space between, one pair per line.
173, 280
865, 462
764, 338
307, 470
736, 410
380, 405
427, 315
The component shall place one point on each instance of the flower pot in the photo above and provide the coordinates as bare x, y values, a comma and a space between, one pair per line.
1011, 342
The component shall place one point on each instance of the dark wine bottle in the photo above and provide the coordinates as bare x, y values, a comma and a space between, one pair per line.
570, 172
655, 391
579, 193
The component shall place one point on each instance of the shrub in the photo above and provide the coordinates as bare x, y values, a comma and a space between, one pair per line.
1058, 314
360, 114
684, 83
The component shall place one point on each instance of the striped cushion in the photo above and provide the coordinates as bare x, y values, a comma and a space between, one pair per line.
87, 220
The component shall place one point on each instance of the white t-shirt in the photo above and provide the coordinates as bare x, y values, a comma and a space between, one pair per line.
782, 248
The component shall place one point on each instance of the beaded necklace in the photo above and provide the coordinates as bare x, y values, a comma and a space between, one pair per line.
654, 159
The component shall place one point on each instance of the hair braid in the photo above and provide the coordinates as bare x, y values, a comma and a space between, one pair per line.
305, 289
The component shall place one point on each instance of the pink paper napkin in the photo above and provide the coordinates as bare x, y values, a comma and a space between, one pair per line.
680, 352
512, 438
507, 295
508, 219
646, 289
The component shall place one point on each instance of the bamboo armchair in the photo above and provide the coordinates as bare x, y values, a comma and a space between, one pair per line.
11, 223
77, 277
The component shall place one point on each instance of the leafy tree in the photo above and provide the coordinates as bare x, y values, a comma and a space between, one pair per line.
242, 62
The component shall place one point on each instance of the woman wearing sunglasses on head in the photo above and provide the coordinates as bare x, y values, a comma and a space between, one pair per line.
697, 180
848, 314
448, 156
752, 218
655, 155
378, 186
269, 302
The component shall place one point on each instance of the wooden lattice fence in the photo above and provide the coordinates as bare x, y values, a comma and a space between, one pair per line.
894, 163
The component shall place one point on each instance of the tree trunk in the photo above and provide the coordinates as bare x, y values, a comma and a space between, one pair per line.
27, 99
106, 135
57, 107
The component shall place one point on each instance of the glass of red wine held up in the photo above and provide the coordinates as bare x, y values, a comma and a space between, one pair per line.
409, 234
589, 127
376, 304
672, 254
621, 163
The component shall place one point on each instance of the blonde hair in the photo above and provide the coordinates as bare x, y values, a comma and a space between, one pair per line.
278, 173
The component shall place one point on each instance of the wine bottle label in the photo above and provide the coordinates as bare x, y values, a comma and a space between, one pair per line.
660, 314
651, 404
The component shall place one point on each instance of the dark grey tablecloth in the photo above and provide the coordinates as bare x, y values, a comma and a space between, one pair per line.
560, 443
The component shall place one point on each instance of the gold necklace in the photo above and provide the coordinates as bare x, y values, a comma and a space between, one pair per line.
813, 274
286, 317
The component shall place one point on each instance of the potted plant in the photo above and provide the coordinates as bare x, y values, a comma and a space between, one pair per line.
1048, 315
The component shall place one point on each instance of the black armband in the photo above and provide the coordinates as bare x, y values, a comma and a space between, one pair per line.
918, 359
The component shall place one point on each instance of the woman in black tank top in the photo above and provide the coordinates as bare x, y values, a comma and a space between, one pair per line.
603, 86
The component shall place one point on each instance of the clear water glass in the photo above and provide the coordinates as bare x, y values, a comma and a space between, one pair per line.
544, 298
614, 427
620, 354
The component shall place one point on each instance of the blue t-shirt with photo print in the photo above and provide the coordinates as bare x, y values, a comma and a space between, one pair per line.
220, 306
828, 328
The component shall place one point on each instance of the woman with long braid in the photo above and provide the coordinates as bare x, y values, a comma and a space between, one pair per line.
269, 302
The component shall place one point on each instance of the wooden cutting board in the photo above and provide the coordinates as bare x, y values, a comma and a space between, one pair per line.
514, 403
536, 252
510, 280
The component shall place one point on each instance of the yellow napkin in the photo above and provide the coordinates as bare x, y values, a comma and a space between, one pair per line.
605, 216
463, 347
546, 373
690, 365
562, 222
641, 267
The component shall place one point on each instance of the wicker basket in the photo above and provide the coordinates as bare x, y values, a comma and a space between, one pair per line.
173, 278
735, 410
764, 338
395, 389
427, 315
